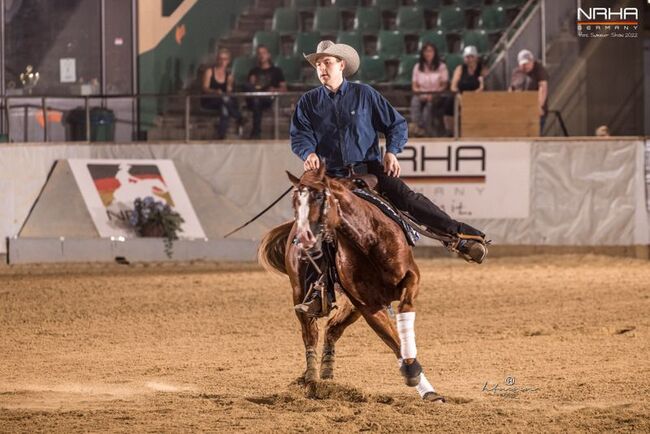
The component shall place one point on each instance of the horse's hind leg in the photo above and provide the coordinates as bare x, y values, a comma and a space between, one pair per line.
410, 368
381, 323
345, 316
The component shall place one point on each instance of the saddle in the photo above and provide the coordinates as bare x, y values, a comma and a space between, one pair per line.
391, 212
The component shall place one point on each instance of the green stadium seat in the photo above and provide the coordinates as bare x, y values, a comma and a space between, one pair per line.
269, 39
346, 4
493, 19
452, 60
387, 5
437, 38
304, 4
410, 19
405, 70
306, 43
470, 4
429, 5
477, 38
327, 20
372, 69
291, 67
353, 39
511, 4
451, 19
390, 44
285, 21
368, 20
240, 68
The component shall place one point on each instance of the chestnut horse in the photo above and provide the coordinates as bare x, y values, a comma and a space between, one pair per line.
375, 266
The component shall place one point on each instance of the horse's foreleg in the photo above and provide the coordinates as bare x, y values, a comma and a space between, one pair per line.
309, 338
381, 323
345, 316
411, 369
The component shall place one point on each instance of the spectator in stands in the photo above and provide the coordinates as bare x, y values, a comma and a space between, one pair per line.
531, 75
218, 82
429, 75
602, 131
265, 77
468, 77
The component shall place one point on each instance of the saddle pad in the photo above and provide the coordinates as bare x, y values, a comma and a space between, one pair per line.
411, 235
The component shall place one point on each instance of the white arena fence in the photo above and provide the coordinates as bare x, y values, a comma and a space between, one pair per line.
521, 192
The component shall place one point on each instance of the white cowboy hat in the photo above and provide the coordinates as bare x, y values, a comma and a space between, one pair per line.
340, 51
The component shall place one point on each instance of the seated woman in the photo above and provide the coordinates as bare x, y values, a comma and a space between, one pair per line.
429, 75
218, 82
468, 77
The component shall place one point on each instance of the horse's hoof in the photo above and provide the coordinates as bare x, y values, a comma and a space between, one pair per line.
327, 367
311, 376
434, 397
326, 373
411, 373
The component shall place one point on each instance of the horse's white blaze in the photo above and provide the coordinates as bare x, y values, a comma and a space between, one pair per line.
303, 210
405, 323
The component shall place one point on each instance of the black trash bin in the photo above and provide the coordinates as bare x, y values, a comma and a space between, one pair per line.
102, 124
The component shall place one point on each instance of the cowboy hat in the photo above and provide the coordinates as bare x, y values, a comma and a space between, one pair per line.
340, 51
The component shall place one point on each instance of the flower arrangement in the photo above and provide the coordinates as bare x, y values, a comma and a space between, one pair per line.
151, 218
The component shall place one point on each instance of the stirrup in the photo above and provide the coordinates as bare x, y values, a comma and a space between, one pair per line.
306, 306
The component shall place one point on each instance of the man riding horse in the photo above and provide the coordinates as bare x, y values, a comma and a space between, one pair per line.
338, 123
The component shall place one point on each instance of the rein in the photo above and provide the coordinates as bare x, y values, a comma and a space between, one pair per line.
260, 213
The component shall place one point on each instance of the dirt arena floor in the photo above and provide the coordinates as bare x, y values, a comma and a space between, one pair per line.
214, 347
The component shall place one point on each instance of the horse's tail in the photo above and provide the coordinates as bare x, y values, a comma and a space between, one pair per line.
271, 252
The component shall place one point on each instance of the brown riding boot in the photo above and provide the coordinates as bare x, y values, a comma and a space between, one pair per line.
472, 250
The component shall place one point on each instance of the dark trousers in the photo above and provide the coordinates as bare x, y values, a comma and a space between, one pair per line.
257, 105
227, 107
418, 205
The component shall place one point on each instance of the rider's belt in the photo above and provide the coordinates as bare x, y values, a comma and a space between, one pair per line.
349, 170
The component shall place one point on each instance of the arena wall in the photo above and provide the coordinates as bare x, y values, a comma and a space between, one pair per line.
582, 192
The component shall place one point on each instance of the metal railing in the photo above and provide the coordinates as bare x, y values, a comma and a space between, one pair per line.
163, 105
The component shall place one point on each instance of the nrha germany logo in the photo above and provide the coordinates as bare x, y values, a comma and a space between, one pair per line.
603, 22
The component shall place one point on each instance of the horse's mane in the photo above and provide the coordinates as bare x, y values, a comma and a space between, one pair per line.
313, 179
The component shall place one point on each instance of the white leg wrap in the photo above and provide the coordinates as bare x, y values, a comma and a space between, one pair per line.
424, 387
405, 322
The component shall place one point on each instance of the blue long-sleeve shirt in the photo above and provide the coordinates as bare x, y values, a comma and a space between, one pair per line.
342, 127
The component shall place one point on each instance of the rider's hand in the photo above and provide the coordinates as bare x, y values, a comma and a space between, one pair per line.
312, 162
391, 165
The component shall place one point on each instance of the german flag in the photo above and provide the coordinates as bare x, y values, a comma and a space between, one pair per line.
106, 183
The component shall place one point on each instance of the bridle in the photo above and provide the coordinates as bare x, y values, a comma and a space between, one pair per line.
322, 232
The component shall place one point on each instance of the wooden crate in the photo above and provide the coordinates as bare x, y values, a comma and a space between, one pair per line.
499, 114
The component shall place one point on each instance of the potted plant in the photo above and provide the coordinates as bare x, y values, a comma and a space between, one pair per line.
151, 218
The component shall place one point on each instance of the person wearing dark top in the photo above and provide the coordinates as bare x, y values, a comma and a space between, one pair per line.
217, 83
265, 77
468, 77
531, 75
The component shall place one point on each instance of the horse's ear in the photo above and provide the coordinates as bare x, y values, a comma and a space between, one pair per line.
321, 170
294, 180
